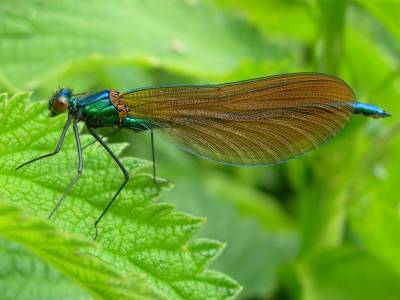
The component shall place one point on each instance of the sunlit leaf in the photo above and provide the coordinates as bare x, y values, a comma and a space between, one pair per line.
24, 276
138, 238
43, 38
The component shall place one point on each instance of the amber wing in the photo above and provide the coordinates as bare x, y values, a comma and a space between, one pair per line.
255, 122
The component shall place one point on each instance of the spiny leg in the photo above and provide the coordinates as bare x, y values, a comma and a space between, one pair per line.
106, 135
58, 147
80, 168
153, 155
126, 174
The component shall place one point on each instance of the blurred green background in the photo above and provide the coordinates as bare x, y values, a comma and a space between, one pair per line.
323, 226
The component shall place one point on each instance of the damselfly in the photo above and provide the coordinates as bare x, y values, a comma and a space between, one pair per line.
254, 122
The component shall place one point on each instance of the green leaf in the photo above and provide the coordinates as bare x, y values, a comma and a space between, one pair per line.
280, 19
346, 273
68, 254
375, 214
386, 12
257, 230
24, 276
139, 238
41, 39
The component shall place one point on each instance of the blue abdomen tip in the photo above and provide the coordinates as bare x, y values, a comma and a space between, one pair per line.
369, 110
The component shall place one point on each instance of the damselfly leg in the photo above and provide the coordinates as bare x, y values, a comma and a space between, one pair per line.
106, 135
121, 166
58, 147
80, 167
153, 155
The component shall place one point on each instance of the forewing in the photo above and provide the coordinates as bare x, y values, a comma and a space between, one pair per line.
261, 121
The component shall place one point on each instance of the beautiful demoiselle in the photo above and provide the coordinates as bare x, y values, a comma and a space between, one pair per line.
255, 122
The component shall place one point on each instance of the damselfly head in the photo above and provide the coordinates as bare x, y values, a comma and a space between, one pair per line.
59, 102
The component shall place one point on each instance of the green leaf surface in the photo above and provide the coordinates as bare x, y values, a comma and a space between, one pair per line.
139, 238
67, 254
41, 39
258, 231
258, 235
346, 273
386, 12
375, 216
275, 17
24, 276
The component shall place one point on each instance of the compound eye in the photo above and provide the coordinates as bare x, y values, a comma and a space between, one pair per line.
60, 104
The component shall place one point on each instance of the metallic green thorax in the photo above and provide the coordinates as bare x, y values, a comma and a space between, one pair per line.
98, 111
